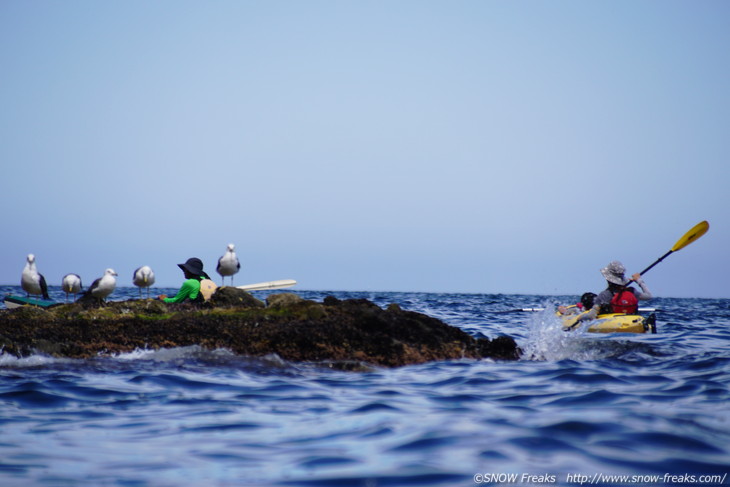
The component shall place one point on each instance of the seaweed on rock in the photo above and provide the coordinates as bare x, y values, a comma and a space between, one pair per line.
295, 329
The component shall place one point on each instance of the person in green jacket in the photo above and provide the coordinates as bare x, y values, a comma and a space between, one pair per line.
190, 290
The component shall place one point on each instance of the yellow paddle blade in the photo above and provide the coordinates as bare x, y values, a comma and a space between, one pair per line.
696, 232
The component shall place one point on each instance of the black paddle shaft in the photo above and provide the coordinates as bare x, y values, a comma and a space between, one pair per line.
648, 268
655, 263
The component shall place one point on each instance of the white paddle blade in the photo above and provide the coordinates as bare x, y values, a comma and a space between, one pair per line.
259, 286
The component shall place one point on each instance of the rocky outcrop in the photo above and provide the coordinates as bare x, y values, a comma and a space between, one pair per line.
295, 329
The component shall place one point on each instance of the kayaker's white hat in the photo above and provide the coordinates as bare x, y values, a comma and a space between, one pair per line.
614, 272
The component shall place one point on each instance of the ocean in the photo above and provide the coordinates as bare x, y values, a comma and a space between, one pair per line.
577, 409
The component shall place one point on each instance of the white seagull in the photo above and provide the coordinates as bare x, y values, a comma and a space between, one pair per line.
228, 264
104, 286
32, 281
143, 277
71, 284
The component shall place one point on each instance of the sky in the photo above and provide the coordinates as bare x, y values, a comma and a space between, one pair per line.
439, 146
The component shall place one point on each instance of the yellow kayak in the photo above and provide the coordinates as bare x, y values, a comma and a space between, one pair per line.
614, 323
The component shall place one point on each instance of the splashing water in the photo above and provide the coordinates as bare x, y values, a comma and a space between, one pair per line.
547, 340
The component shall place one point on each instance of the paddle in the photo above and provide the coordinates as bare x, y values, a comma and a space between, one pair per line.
693, 234
281, 283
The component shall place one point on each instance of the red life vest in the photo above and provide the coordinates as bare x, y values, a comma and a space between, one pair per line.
625, 302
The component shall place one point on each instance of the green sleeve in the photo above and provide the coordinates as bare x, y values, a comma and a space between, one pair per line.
189, 290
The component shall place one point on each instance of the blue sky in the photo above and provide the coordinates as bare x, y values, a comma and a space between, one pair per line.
468, 146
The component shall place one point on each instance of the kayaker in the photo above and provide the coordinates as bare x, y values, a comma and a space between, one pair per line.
586, 303
618, 297
190, 290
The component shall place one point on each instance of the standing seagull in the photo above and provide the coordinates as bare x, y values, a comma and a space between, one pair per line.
71, 284
228, 264
104, 286
32, 281
143, 277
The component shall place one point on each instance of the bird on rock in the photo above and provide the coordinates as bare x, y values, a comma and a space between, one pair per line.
228, 264
32, 281
143, 277
104, 286
71, 284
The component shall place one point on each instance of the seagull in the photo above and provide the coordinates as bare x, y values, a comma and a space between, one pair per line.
104, 286
228, 264
143, 277
32, 281
71, 284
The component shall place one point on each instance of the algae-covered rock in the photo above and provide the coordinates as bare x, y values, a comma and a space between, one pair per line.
335, 331
282, 300
233, 297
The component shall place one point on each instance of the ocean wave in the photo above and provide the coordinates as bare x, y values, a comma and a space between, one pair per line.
576, 403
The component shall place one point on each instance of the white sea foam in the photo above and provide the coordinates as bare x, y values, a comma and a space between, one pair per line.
172, 354
35, 360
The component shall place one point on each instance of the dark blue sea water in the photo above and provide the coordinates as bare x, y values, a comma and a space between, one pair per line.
578, 408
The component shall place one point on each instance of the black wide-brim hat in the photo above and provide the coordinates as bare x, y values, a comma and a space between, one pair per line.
194, 266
